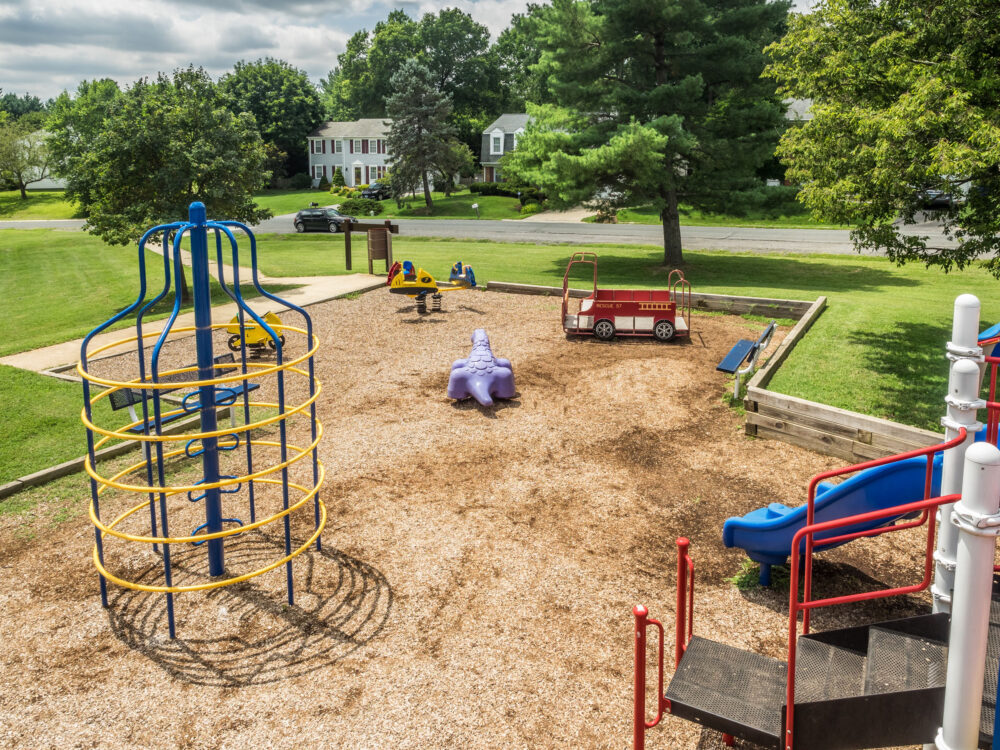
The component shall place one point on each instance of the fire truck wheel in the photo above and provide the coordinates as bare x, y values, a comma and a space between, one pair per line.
604, 330
663, 331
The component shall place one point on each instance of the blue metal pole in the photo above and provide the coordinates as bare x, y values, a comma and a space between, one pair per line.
206, 371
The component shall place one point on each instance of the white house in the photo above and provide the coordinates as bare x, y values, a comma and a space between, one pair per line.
500, 138
357, 149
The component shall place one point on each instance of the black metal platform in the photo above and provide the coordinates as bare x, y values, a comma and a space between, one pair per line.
870, 686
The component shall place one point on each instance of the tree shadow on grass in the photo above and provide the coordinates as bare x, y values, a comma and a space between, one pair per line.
246, 634
810, 277
910, 358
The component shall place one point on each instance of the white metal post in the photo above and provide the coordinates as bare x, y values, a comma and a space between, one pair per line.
963, 402
976, 516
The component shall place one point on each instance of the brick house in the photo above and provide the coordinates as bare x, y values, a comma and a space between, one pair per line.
500, 138
358, 149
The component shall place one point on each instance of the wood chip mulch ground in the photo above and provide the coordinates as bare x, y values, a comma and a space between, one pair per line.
479, 566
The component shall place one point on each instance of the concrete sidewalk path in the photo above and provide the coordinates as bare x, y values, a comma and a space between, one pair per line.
314, 289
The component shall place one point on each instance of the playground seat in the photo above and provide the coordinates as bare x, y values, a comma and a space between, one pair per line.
225, 395
745, 351
732, 361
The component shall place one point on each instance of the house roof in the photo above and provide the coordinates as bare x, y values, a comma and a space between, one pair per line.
372, 127
508, 123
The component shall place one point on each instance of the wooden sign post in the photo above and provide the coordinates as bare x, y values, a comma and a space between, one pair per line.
379, 236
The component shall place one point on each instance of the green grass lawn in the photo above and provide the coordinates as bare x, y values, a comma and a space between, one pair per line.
41, 422
40, 204
290, 201
792, 216
457, 206
58, 286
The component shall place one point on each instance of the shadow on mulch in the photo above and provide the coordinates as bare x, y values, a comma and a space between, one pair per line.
490, 412
245, 634
833, 579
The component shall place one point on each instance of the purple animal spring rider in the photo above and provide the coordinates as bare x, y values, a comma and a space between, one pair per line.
482, 376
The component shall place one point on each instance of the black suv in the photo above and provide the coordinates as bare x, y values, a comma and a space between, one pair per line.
376, 190
320, 220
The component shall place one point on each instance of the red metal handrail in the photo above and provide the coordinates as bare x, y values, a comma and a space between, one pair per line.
811, 503
922, 506
683, 305
685, 599
685, 627
639, 723
809, 531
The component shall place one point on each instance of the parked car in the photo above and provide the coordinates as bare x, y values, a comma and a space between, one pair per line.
377, 191
320, 220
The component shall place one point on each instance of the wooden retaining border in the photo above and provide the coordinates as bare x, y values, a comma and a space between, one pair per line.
776, 308
825, 429
818, 427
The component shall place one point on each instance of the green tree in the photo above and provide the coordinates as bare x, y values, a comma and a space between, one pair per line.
18, 106
454, 47
24, 154
164, 144
453, 158
420, 131
283, 101
662, 103
75, 123
906, 100
362, 80
516, 53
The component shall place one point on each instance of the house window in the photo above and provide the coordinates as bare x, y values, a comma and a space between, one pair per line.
338, 147
497, 145
357, 146
372, 147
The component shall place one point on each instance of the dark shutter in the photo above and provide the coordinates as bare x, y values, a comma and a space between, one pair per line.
351, 142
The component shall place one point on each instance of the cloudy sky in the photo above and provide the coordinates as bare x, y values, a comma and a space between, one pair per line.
50, 45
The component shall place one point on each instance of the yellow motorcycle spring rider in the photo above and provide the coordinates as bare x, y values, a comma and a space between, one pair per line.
405, 278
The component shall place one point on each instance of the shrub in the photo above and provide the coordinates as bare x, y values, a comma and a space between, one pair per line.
300, 181
530, 208
324, 184
361, 187
360, 207
526, 194
338, 178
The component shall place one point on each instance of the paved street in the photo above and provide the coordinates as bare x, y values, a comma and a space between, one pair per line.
750, 239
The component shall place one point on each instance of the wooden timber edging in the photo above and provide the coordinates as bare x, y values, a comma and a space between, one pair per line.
776, 308
825, 429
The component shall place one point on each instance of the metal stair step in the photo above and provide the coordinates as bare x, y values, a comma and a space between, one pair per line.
826, 672
729, 689
899, 661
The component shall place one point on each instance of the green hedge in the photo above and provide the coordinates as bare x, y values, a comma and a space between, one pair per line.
360, 207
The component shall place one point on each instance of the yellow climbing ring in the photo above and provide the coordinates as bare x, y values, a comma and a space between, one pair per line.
258, 370
214, 584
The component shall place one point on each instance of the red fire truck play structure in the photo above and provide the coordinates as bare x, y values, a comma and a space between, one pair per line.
660, 313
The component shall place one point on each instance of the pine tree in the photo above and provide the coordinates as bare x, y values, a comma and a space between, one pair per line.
419, 129
662, 103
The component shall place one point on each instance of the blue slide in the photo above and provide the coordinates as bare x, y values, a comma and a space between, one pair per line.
766, 533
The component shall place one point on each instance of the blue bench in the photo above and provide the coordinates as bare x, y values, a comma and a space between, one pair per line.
225, 395
745, 351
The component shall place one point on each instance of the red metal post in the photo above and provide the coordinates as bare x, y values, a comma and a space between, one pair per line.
639, 691
682, 569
